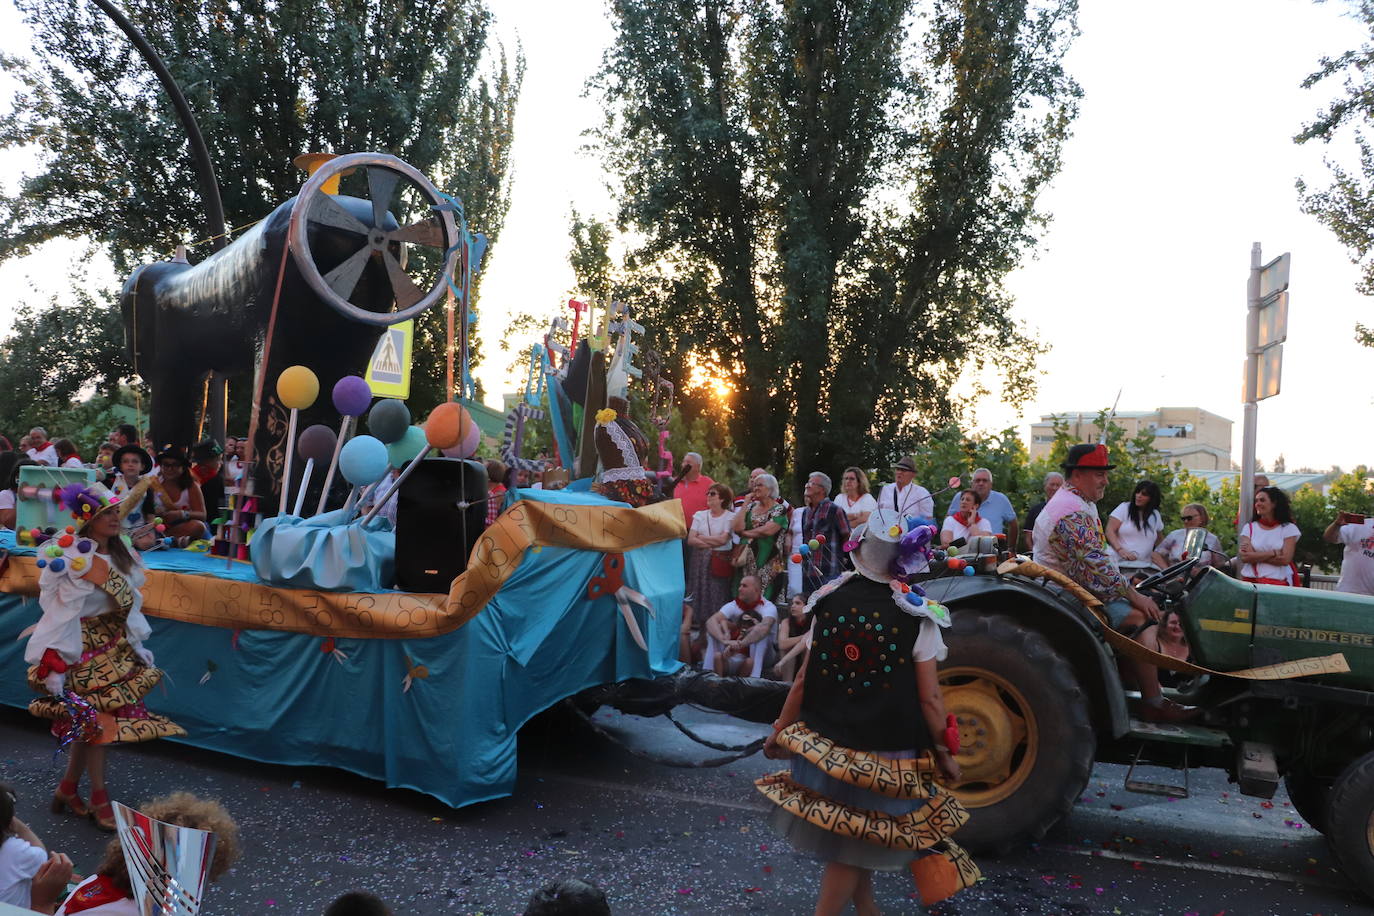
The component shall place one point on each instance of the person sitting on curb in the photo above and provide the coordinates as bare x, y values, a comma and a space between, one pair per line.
1068, 538
720, 642
31, 878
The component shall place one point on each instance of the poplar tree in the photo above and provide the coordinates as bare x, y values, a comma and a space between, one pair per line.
824, 198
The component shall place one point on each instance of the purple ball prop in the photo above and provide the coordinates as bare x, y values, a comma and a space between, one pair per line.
352, 396
388, 420
317, 442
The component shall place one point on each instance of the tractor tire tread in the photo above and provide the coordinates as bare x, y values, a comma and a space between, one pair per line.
1349, 809
1081, 743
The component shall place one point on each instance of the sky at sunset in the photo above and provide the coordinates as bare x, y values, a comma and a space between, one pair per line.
1182, 157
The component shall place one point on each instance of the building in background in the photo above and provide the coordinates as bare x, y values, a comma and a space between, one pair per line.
1188, 436
1288, 483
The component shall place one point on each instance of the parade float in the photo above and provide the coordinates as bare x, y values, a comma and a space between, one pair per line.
286, 638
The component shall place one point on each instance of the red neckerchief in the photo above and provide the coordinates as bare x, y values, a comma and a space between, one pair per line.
962, 519
1268, 526
203, 474
96, 893
747, 607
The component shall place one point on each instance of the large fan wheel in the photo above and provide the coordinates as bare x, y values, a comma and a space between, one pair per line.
387, 180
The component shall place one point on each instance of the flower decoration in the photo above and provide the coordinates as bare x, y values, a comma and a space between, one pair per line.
605, 416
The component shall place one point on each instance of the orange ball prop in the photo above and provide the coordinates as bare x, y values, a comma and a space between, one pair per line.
447, 425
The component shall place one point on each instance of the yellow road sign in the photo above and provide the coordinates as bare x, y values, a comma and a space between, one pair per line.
388, 369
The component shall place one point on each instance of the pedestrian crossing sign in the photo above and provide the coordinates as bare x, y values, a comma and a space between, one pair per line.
388, 370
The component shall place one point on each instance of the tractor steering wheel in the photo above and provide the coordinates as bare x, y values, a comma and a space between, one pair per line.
435, 229
1164, 575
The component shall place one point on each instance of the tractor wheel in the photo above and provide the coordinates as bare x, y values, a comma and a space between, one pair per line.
1350, 822
1026, 745
1308, 795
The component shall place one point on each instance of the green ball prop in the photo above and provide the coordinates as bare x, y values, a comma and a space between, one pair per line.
402, 451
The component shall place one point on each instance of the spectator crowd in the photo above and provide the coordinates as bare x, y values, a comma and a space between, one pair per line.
752, 555
191, 487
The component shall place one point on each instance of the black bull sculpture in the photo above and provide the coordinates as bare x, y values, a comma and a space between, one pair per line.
340, 262
341, 265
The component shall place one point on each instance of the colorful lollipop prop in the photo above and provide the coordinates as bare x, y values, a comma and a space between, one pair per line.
297, 388
317, 442
388, 420
445, 428
362, 462
403, 450
351, 395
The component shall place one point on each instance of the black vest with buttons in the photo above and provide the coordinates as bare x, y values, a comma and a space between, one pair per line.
860, 688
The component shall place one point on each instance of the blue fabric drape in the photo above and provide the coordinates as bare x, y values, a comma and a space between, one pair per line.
280, 698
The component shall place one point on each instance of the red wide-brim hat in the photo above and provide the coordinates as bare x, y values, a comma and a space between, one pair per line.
1087, 457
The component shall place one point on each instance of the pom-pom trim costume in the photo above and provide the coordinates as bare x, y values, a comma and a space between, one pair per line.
96, 631
861, 789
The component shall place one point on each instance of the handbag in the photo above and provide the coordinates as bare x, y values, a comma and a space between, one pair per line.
742, 555
720, 564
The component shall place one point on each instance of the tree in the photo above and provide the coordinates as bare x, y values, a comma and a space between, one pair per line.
824, 204
54, 357
1346, 206
267, 81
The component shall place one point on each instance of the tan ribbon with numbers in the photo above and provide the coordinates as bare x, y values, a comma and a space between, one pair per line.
1298, 667
210, 601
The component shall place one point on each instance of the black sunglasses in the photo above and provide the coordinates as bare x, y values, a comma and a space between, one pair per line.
1189, 518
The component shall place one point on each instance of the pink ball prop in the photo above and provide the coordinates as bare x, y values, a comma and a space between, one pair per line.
468, 446
352, 396
954, 482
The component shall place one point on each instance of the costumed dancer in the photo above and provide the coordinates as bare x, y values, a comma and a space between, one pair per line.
622, 448
86, 653
860, 795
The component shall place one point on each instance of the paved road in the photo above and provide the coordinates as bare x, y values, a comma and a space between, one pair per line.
664, 840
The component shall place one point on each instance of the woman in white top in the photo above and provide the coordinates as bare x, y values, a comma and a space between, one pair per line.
795, 585
9, 481
711, 536
966, 522
854, 497
66, 454
1268, 541
1135, 528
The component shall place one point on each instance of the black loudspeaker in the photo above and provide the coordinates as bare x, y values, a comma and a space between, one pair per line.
440, 512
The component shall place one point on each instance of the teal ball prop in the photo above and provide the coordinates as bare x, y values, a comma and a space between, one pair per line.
363, 460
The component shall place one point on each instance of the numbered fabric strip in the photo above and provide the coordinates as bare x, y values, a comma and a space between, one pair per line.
237, 605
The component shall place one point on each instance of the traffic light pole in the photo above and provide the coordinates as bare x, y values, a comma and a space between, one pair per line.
1250, 412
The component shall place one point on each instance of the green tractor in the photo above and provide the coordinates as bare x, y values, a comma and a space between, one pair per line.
1035, 688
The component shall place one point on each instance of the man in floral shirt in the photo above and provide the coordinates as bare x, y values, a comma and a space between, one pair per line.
825, 522
1068, 538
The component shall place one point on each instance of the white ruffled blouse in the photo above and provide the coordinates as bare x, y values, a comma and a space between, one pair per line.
66, 597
